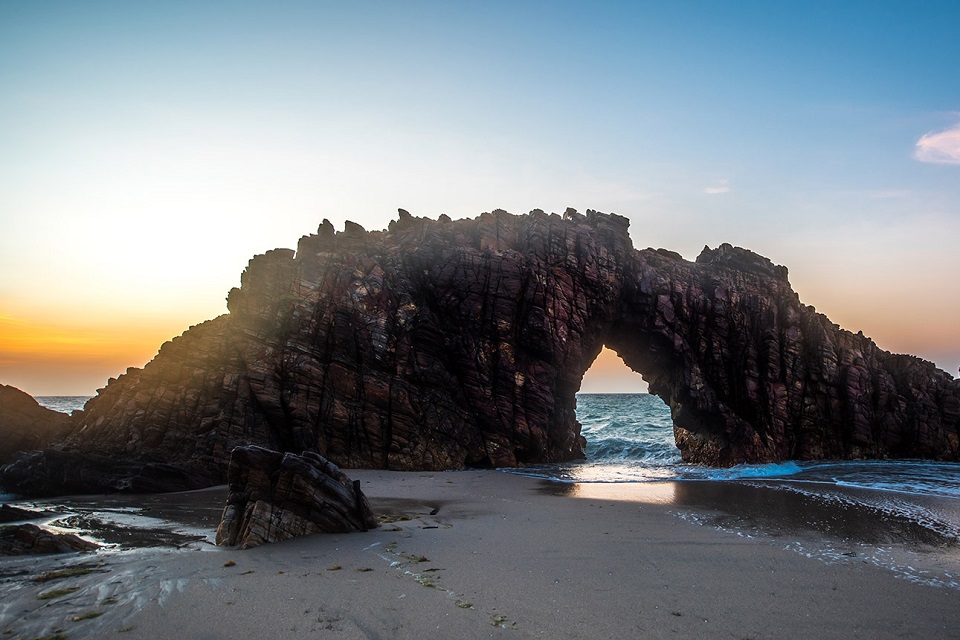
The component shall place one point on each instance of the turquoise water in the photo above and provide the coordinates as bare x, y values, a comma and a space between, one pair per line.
900, 515
630, 439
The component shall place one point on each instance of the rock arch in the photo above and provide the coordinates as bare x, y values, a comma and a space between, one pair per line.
445, 344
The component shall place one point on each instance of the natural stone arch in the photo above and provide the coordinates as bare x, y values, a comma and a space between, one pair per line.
705, 336
445, 344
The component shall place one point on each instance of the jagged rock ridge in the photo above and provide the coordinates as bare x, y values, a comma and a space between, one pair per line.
446, 344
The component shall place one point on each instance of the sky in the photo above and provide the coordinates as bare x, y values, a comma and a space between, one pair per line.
149, 150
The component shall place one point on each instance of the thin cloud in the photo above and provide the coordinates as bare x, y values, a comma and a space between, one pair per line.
720, 187
942, 147
877, 194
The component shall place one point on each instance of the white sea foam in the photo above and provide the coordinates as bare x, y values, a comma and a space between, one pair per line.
742, 471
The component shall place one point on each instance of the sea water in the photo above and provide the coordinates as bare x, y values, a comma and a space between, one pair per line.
630, 439
63, 404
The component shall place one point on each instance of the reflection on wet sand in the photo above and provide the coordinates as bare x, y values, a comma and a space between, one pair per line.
754, 507
647, 492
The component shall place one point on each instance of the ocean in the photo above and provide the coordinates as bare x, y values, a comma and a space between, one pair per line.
630, 439
63, 404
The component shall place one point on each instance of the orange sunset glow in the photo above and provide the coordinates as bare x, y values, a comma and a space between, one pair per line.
138, 179
75, 356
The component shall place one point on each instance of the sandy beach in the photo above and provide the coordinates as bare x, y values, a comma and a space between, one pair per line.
486, 554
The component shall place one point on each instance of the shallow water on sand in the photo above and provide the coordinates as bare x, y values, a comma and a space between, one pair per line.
124, 521
903, 515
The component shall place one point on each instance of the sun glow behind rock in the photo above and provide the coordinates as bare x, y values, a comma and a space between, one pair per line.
74, 353
609, 374
150, 150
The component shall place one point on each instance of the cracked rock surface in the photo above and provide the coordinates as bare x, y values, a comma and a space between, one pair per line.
440, 344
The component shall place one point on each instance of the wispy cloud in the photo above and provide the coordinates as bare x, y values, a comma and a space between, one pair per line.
720, 186
942, 147
877, 194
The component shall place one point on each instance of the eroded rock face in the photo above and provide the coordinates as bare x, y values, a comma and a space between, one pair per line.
447, 344
276, 496
25, 425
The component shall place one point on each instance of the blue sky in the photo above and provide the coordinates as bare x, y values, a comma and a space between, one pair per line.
148, 151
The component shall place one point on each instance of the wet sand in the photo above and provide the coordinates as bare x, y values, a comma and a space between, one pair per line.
506, 556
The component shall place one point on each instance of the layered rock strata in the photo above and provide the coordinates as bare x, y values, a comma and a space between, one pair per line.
275, 496
449, 344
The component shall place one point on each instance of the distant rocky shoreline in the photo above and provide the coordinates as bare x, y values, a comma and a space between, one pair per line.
441, 344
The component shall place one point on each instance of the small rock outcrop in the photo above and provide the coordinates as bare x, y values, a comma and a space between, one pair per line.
442, 344
53, 472
25, 539
10, 513
275, 496
25, 425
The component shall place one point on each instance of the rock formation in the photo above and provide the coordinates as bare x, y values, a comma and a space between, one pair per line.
13, 514
25, 425
53, 472
448, 344
24, 539
276, 496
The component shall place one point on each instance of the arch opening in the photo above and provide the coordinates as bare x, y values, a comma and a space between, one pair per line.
610, 374
628, 431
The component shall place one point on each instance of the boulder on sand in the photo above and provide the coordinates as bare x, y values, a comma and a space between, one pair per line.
275, 496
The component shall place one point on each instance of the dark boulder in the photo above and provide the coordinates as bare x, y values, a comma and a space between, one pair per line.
25, 425
25, 539
52, 472
10, 513
275, 496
